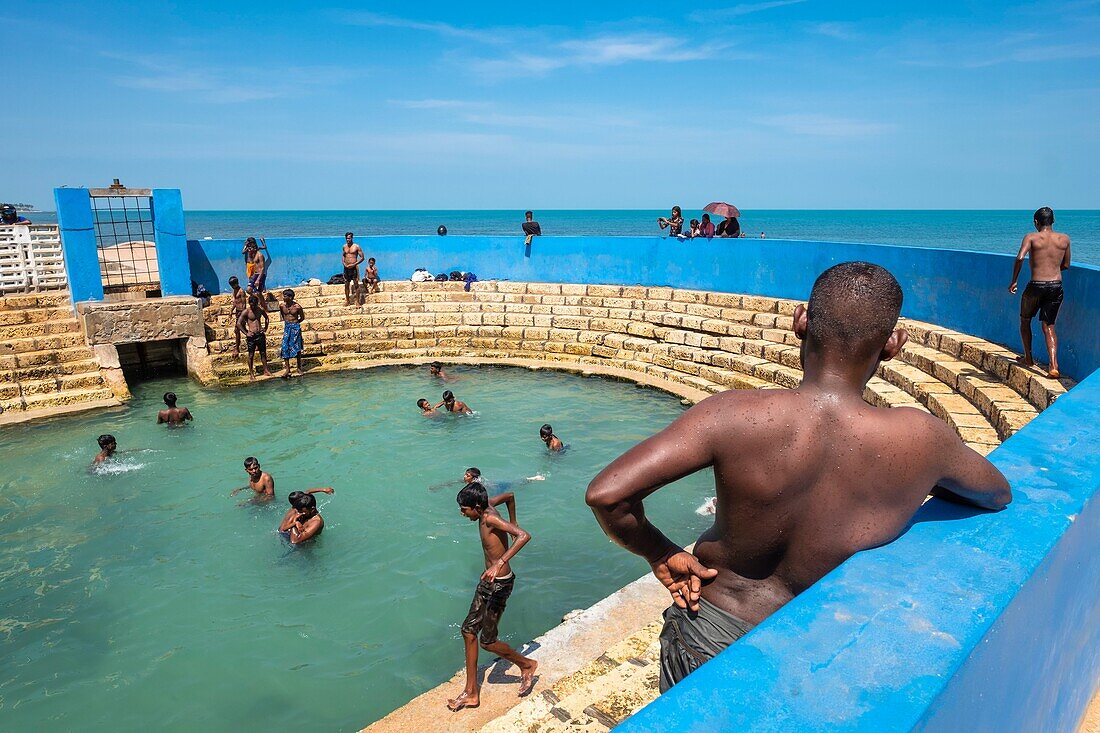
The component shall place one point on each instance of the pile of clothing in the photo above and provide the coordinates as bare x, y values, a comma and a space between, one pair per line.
420, 275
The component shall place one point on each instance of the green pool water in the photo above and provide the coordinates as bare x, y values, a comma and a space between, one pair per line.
146, 597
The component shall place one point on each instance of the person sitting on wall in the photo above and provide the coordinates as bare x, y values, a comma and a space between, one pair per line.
674, 223
728, 227
173, 415
371, 278
794, 499
1049, 251
253, 324
9, 217
706, 227
531, 228
693, 230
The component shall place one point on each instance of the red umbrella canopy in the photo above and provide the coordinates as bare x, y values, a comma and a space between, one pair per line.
719, 208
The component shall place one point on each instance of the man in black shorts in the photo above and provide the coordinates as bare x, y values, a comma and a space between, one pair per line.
1049, 252
352, 257
493, 590
253, 324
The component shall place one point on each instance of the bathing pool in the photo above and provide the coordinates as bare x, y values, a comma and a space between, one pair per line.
146, 597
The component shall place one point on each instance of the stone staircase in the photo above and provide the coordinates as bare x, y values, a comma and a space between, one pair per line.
692, 342
45, 364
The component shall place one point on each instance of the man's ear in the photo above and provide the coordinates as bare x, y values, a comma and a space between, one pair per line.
800, 321
894, 344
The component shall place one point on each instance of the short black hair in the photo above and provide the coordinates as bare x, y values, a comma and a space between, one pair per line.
233, 280
289, 292
301, 500
253, 300
250, 462
106, 439
474, 496
170, 399
448, 395
436, 365
349, 234
1044, 217
528, 213
250, 240
475, 472
421, 402
370, 259
546, 431
853, 308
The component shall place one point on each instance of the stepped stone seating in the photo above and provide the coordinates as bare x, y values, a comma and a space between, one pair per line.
691, 342
45, 364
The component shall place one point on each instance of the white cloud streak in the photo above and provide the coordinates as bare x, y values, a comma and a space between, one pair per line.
821, 125
736, 11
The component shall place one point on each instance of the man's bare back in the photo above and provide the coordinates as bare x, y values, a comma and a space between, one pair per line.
174, 416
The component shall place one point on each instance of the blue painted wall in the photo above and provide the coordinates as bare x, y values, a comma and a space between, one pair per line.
966, 291
78, 245
170, 235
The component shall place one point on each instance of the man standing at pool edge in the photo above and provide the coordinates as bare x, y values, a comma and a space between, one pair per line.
293, 314
1049, 252
794, 499
492, 591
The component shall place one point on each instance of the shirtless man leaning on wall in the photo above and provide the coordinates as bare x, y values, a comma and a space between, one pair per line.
805, 477
1049, 252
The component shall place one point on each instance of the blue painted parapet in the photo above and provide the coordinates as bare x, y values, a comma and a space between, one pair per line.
78, 243
170, 235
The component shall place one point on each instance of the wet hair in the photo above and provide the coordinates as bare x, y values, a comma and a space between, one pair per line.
289, 292
421, 403
233, 280
349, 234
250, 240
1044, 217
474, 496
253, 300
448, 395
250, 462
106, 439
546, 431
170, 399
436, 365
853, 308
475, 472
300, 500
529, 213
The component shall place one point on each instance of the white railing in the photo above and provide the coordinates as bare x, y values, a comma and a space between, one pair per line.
30, 259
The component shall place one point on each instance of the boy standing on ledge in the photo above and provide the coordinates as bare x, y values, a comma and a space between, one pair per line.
493, 589
805, 477
1049, 252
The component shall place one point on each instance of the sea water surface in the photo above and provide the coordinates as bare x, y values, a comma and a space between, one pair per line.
989, 231
143, 596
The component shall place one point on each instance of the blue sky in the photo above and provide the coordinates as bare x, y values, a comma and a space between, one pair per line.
771, 104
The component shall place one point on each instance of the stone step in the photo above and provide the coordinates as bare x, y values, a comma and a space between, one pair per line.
41, 343
47, 357
39, 328
87, 380
57, 399
34, 315
77, 366
31, 301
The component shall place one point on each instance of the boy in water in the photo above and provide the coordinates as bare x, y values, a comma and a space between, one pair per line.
173, 415
302, 521
436, 370
292, 345
253, 323
794, 499
370, 277
1049, 252
426, 408
107, 446
493, 589
259, 480
352, 257
454, 405
546, 432
240, 302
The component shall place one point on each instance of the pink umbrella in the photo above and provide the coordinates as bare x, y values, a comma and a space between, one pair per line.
721, 209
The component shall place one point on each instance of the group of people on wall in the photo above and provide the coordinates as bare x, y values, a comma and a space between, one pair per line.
728, 228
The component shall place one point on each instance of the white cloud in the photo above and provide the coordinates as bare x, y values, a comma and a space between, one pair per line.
379, 20
835, 29
435, 103
718, 14
821, 125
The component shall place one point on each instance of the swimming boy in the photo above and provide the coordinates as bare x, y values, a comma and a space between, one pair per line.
352, 257
436, 370
426, 408
253, 323
107, 446
454, 405
240, 302
259, 480
302, 521
1049, 252
173, 415
794, 499
546, 433
493, 589
292, 345
370, 278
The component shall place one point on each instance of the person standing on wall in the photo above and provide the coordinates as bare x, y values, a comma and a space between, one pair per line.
531, 228
293, 314
1049, 251
353, 256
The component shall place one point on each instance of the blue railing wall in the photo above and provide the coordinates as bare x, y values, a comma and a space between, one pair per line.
966, 291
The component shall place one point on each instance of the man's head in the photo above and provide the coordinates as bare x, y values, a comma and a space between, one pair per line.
1044, 218
8, 214
170, 399
234, 282
423, 404
303, 502
472, 474
107, 442
348, 237
435, 368
546, 432
253, 302
250, 243
473, 500
852, 314
448, 398
288, 296
529, 215
370, 261
252, 467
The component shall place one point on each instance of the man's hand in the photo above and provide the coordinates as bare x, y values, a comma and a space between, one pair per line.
1012, 288
490, 573
683, 575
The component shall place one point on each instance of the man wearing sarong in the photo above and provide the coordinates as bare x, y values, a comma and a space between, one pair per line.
805, 477
293, 315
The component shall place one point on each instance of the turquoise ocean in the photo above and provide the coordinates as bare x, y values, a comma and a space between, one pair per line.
990, 231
